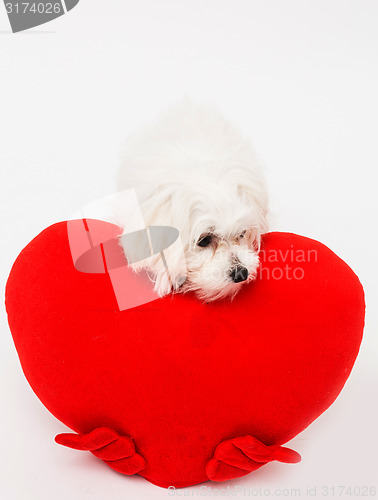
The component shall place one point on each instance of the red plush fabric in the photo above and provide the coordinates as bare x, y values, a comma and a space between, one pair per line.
180, 391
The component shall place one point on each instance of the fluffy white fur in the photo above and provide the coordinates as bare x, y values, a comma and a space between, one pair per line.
194, 171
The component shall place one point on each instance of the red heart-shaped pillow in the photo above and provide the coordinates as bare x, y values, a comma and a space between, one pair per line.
177, 390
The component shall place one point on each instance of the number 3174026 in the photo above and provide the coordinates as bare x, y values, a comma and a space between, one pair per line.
33, 8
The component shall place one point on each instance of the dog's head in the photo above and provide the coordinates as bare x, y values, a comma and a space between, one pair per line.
219, 263
221, 239
220, 225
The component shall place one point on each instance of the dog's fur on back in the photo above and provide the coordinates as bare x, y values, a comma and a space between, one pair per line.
194, 171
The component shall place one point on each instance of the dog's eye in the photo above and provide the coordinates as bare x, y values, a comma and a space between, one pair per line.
204, 242
242, 234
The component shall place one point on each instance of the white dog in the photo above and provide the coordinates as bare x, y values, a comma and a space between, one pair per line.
192, 170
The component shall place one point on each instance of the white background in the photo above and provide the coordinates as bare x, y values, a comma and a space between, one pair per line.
299, 77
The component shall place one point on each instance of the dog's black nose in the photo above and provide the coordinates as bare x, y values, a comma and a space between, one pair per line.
238, 274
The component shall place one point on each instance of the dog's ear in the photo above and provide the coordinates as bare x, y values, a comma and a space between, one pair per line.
253, 238
162, 258
165, 263
254, 195
170, 270
156, 204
